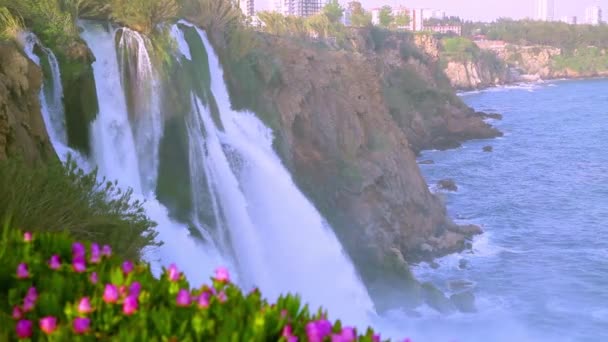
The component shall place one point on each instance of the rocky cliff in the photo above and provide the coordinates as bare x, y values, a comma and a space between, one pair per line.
349, 124
22, 130
499, 63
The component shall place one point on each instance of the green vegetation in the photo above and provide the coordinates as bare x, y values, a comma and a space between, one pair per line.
459, 48
385, 17
57, 198
583, 60
144, 15
10, 25
528, 32
359, 17
55, 289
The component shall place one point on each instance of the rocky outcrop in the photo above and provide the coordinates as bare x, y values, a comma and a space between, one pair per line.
22, 130
348, 125
516, 64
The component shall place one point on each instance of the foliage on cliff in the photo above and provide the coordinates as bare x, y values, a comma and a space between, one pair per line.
586, 60
528, 32
57, 198
55, 289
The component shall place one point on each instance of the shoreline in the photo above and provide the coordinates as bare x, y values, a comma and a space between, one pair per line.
462, 91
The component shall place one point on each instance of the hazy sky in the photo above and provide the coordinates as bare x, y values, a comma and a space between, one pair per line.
482, 9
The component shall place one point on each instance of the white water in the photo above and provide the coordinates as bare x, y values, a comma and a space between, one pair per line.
280, 241
145, 89
51, 100
115, 153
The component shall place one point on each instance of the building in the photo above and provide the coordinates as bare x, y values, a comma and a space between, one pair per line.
248, 7
445, 29
433, 14
417, 19
298, 8
593, 15
569, 20
376, 15
545, 10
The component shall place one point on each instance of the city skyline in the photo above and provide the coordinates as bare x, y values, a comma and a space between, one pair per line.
486, 10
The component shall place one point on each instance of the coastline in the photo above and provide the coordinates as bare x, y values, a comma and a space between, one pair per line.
465, 91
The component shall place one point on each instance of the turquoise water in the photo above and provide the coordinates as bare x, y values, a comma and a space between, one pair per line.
540, 273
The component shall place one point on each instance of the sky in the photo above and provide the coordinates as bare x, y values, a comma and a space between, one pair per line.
486, 10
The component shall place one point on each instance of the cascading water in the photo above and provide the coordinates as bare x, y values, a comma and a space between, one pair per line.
142, 87
280, 241
51, 98
115, 151
277, 238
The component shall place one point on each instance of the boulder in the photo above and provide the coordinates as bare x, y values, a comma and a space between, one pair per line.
488, 148
464, 301
426, 162
468, 230
447, 184
434, 298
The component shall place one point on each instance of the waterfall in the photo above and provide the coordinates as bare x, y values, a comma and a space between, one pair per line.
141, 83
116, 149
51, 98
262, 224
281, 243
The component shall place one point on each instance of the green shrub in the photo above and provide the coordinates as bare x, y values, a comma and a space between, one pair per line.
144, 15
459, 48
57, 290
10, 25
54, 26
57, 198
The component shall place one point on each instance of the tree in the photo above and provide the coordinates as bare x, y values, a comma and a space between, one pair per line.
274, 22
386, 16
333, 11
319, 24
402, 20
358, 16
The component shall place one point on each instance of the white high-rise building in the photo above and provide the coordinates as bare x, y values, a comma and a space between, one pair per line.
545, 10
569, 20
593, 15
248, 7
299, 8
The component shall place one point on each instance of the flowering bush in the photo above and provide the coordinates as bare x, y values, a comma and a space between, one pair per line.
52, 288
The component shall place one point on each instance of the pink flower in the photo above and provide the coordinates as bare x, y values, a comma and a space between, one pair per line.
110, 294
28, 305
376, 338
17, 314
79, 264
222, 297
316, 331
27, 237
135, 289
284, 313
30, 299
84, 306
48, 324
348, 334
127, 267
183, 298
55, 262
22, 271
203, 300
31, 294
288, 334
93, 278
407, 340
81, 325
24, 329
129, 306
174, 274
106, 251
222, 274
95, 254
78, 250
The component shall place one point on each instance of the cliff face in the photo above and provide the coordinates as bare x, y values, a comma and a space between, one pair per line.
22, 130
517, 64
348, 126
